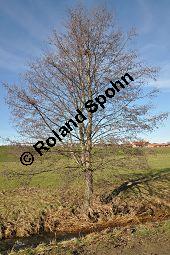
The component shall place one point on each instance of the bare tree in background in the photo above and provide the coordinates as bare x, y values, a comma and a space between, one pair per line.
78, 67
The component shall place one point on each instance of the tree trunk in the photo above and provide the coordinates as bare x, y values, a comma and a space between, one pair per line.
89, 188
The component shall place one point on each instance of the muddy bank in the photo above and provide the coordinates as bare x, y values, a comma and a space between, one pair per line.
67, 234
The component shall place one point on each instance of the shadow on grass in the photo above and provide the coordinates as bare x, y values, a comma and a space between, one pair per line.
136, 180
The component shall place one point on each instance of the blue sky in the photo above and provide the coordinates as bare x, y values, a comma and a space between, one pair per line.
26, 24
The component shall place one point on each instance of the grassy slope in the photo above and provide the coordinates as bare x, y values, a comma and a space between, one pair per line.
50, 191
149, 239
66, 186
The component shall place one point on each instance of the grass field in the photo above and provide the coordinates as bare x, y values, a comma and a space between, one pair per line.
158, 159
51, 202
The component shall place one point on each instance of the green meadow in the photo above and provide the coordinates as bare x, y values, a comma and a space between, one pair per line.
59, 174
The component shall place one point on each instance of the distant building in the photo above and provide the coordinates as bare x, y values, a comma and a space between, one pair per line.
149, 145
139, 144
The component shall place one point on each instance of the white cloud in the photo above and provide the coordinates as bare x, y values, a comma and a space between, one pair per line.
23, 17
11, 61
147, 17
164, 83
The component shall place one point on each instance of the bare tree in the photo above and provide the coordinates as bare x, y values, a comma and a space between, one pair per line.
78, 67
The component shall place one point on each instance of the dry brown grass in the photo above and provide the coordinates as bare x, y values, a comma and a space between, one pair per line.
32, 211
